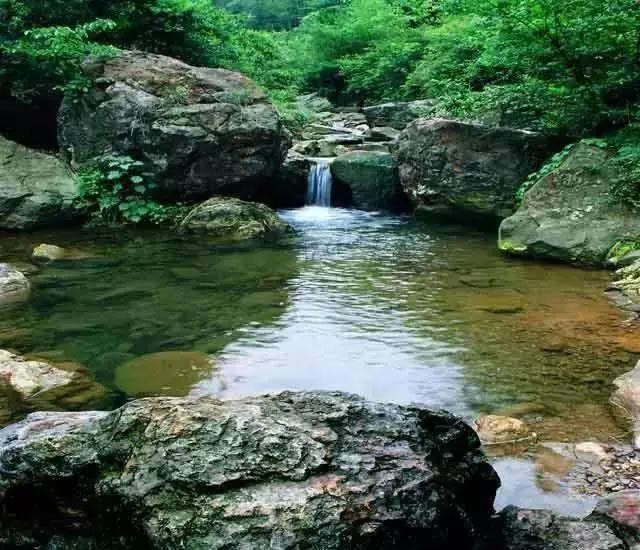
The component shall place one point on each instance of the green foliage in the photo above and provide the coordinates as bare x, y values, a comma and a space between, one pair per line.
48, 58
117, 190
621, 249
43, 43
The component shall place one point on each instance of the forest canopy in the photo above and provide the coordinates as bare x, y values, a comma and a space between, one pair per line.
569, 68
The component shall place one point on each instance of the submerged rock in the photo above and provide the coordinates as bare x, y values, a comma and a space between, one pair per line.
14, 286
494, 430
53, 253
297, 470
199, 131
233, 219
36, 189
625, 401
33, 383
372, 178
171, 373
569, 214
467, 171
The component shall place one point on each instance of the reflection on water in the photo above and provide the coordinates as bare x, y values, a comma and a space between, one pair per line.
383, 306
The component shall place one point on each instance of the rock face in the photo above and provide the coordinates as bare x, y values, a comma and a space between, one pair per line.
298, 470
200, 132
398, 115
36, 189
28, 384
568, 215
233, 219
625, 401
372, 178
14, 286
465, 170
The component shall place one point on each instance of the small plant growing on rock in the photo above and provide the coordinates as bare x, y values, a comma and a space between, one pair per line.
117, 190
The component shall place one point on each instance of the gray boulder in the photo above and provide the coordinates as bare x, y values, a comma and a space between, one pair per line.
372, 178
569, 214
36, 189
233, 219
200, 132
326, 471
464, 170
398, 115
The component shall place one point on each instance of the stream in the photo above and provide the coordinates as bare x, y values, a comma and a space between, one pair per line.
384, 306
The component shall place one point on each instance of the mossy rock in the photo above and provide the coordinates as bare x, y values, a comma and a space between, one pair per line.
372, 178
169, 373
570, 215
234, 220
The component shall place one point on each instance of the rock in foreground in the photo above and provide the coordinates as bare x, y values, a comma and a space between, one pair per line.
200, 132
36, 189
463, 170
233, 219
298, 470
569, 214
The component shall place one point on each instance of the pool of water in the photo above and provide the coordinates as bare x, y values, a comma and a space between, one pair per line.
387, 307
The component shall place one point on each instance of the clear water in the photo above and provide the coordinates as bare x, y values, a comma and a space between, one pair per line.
386, 307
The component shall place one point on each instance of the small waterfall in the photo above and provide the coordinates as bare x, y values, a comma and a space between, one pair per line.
320, 184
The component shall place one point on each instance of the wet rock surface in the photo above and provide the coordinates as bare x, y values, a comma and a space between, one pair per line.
296, 470
35, 384
464, 170
200, 132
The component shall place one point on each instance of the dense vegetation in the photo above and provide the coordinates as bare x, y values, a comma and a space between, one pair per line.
570, 68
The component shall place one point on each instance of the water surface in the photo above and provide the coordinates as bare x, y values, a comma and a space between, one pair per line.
387, 307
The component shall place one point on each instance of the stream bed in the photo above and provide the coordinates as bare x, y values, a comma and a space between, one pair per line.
387, 307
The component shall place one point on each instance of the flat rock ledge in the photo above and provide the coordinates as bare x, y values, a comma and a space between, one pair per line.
290, 471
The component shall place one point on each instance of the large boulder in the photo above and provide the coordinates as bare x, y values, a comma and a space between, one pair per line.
372, 178
14, 285
233, 219
36, 189
569, 214
326, 471
464, 170
200, 132
398, 115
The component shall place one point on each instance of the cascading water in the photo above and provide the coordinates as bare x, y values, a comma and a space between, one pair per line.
320, 184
